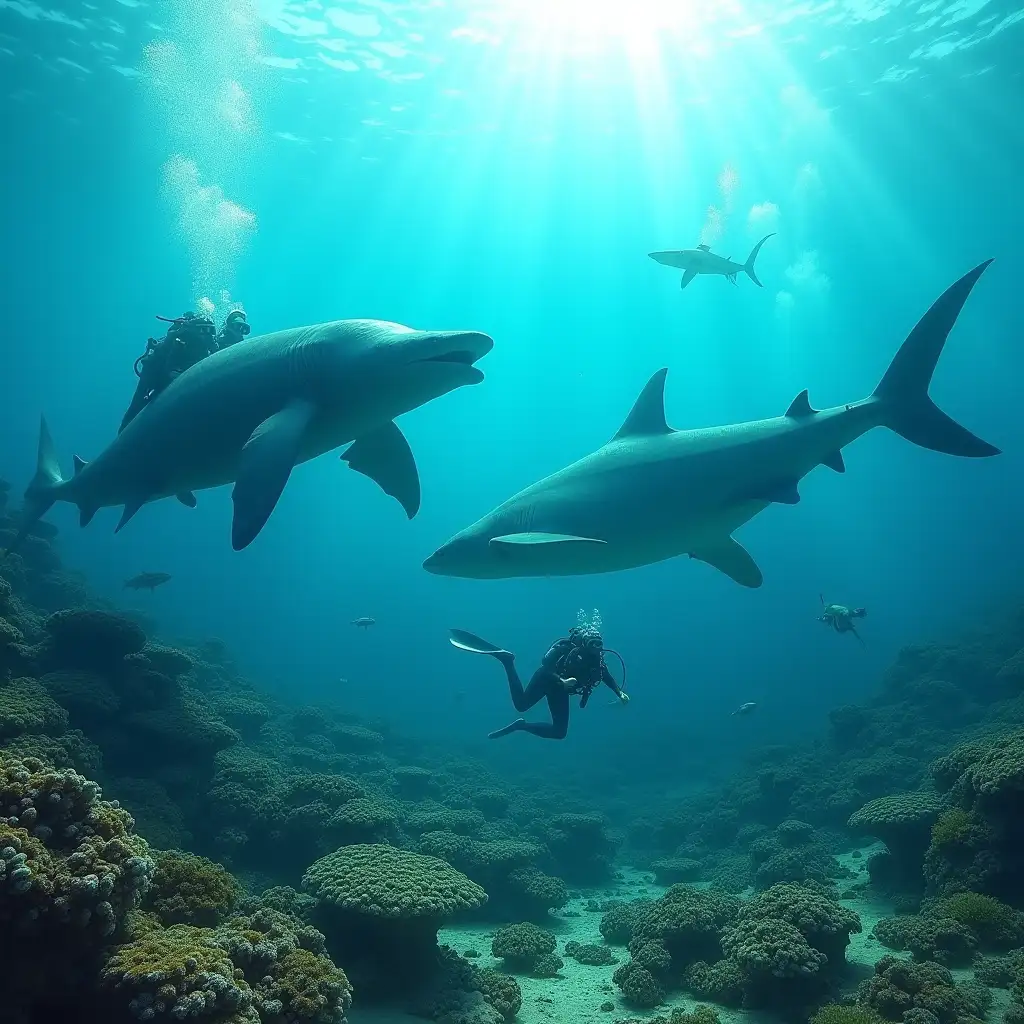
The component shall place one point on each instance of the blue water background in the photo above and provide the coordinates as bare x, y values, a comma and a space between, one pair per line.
519, 194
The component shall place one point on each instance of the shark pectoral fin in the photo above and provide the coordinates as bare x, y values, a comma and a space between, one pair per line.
386, 458
784, 492
264, 465
688, 276
835, 462
129, 510
187, 498
534, 540
730, 557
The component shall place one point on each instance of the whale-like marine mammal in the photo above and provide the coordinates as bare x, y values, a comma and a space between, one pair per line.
249, 413
652, 492
703, 261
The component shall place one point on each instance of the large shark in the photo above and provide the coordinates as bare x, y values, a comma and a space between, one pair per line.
652, 493
703, 261
251, 412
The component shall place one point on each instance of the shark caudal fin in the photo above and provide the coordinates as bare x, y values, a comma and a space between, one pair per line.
41, 492
904, 388
749, 265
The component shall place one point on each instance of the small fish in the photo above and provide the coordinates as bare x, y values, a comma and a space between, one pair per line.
745, 709
147, 581
364, 622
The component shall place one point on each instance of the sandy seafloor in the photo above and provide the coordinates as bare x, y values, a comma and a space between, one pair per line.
575, 997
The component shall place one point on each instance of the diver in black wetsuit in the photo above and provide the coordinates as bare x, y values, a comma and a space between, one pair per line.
573, 665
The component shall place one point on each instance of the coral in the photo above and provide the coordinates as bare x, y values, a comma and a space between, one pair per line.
363, 819
952, 827
901, 986
192, 890
86, 639
547, 966
180, 972
688, 922
928, 937
88, 697
522, 945
71, 750
25, 706
376, 902
618, 922
904, 822
837, 1013
594, 956
670, 870
638, 986
995, 925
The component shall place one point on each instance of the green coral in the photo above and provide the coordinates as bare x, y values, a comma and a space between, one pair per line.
188, 889
522, 945
180, 972
25, 706
928, 937
638, 985
996, 925
952, 828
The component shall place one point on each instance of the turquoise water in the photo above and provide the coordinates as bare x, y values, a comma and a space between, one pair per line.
507, 167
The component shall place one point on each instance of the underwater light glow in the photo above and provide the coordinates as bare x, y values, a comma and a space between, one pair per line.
570, 25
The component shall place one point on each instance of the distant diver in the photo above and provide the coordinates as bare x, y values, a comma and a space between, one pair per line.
703, 261
574, 664
189, 338
840, 618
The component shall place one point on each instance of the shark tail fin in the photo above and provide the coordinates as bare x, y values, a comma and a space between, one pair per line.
903, 391
41, 493
749, 265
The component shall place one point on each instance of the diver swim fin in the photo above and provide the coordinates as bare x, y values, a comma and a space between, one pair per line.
466, 641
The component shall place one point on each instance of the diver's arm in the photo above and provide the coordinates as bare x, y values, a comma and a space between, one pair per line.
609, 680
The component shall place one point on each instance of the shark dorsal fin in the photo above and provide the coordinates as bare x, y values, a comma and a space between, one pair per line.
800, 406
704, 248
647, 416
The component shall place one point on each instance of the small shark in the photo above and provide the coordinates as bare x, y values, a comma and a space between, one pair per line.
653, 493
249, 413
147, 581
703, 261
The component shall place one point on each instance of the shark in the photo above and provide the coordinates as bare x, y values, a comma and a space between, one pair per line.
653, 493
703, 261
249, 413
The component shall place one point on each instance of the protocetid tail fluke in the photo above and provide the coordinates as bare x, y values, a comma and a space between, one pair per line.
41, 492
904, 388
749, 265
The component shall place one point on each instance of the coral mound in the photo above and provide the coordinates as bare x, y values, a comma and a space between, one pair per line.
377, 903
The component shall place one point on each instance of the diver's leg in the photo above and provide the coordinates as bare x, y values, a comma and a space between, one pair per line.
556, 729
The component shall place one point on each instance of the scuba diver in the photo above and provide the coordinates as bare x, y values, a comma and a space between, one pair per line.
189, 338
840, 618
574, 664
235, 328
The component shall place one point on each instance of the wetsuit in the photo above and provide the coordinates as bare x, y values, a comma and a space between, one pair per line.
563, 660
165, 360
